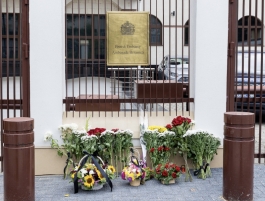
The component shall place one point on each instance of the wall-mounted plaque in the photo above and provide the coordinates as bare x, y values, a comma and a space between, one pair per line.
127, 38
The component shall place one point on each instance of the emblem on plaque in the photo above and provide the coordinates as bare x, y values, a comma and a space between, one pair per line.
127, 28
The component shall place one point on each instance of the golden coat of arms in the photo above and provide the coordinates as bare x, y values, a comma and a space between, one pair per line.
127, 38
127, 28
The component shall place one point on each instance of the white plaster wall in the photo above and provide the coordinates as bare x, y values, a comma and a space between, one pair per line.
209, 63
46, 65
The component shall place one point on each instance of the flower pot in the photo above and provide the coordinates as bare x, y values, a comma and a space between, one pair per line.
172, 181
135, 182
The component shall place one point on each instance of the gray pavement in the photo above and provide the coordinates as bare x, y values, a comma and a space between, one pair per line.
54, 188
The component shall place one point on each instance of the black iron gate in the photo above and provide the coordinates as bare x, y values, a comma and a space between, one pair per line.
246, 64
14, 60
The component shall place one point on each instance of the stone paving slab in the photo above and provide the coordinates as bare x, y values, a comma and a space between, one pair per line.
54, 188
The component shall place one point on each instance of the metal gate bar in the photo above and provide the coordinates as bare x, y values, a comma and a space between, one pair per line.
14, 61
245, 74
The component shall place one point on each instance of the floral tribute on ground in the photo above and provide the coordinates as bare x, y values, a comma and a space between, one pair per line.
167, 173
112, 145
92, 174
135, 172
178, 138
202, 147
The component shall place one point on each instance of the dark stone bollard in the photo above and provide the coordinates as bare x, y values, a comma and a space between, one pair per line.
18, 159
238, 157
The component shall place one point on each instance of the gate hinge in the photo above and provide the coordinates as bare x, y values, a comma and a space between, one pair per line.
231, 1
26, 50
26, 2
1, 158
231, 49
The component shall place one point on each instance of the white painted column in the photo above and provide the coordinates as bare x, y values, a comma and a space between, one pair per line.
208, 44
47, 55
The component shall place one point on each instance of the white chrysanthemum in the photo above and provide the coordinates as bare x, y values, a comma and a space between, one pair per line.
83, 171
91, 172
194, 132
119, 132
88, 137
129, 132
162, 135
169, 133
73, 126
106, 132
47, 136
79, 132
151, 132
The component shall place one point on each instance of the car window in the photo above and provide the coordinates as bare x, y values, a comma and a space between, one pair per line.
174, 61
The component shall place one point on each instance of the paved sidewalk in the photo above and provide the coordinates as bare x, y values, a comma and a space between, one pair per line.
54, 188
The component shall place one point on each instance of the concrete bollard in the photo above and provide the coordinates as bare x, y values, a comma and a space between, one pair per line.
238, 156
18, 159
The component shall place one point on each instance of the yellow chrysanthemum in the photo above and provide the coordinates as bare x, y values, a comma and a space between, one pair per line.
111, 168
160, 129
89, 181
138, 174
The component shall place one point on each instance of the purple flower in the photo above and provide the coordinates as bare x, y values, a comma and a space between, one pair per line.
130, 179
123, 175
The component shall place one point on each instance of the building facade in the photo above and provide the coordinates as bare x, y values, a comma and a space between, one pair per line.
67, 58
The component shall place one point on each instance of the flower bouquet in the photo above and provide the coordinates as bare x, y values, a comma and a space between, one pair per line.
159, 143
167, 173
180, 125
149, 173
134, 174
89, 176
202, 148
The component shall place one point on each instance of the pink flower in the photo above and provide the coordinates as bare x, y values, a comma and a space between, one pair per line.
123, 175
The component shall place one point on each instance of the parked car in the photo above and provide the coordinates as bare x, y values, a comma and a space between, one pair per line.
172, 68
250, 81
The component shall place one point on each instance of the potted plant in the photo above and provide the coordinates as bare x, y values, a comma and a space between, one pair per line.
167, 173
134, 174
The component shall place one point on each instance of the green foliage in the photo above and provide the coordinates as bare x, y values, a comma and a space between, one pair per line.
202, 148
159, 145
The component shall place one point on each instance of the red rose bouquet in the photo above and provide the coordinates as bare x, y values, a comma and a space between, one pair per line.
180, 125
96, 131
167, 173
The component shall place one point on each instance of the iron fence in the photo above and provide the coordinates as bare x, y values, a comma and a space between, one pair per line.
14, 61
92, 85
246, 89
